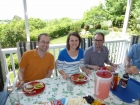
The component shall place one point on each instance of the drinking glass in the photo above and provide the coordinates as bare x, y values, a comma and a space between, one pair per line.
14, 98
69, 85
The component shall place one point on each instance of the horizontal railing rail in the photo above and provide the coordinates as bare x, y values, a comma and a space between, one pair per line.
117, 49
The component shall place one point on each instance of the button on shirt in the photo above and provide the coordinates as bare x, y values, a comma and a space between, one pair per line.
93, 57
134, 55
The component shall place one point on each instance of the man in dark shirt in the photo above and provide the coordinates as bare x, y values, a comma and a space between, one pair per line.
96, 55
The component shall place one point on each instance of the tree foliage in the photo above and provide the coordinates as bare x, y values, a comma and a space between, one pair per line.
95, 15
115, 10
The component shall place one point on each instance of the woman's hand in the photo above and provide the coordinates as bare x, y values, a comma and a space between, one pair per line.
65, 76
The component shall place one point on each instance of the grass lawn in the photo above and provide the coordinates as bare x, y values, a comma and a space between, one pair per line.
59, 40
12, 76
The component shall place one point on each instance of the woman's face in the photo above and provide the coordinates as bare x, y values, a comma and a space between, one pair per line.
73, 42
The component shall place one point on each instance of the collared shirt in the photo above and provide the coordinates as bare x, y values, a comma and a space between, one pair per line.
134, 55
93, 57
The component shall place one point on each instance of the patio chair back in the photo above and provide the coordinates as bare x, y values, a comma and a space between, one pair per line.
85, 43
24, 46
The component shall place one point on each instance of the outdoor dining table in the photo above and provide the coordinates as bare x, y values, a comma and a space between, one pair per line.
56, 88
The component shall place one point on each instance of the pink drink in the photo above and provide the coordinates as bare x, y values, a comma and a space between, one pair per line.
102, 84
103, 89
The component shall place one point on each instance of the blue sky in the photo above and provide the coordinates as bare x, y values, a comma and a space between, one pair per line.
46, 9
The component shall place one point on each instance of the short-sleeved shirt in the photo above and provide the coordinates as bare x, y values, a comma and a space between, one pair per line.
35, 66
68, 64
134, 55
93, 57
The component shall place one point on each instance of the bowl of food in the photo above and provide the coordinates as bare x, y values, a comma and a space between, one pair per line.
33, 88
79, 78
38, 85
109, 68
29, 88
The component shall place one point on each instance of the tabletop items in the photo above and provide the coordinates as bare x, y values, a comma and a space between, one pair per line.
114, 81
130, 93
103, 79
79, 78
69, 85
33, 88
56, 88
124, 80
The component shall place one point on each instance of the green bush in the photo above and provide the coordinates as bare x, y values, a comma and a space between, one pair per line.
76, 26
86, 36
98, 26
115, 29
104, 27
106, 32
15, 61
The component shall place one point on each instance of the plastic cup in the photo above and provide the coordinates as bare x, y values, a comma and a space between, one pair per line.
14, 98
69, 85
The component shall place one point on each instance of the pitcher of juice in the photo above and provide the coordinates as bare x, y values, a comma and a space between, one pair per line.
102, 83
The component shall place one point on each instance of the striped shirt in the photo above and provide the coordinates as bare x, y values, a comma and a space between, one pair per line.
68, 64
93, 57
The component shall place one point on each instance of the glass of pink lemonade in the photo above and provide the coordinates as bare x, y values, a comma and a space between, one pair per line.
102, 84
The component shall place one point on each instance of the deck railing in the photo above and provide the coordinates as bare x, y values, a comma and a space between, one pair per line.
117, 49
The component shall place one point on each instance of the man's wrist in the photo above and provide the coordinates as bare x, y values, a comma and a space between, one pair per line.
86, 65
139, 73
111, 64
21, 80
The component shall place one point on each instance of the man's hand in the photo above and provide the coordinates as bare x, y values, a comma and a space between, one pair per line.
115, 65
95, 67
87, 71
132, 71
19, 83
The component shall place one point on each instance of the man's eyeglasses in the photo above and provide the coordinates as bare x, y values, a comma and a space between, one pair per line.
43, 42
98, 40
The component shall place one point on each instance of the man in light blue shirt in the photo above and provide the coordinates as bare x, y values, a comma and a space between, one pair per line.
133, 58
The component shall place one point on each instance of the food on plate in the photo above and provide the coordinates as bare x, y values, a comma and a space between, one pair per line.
109, 68
89, 99
76, 101
38, 85
97, 102
81, 77
92, 101
78, 77
134, 67
55, 102
29, 88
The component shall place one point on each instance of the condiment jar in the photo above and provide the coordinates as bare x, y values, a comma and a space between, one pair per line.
124, 80
114, 81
